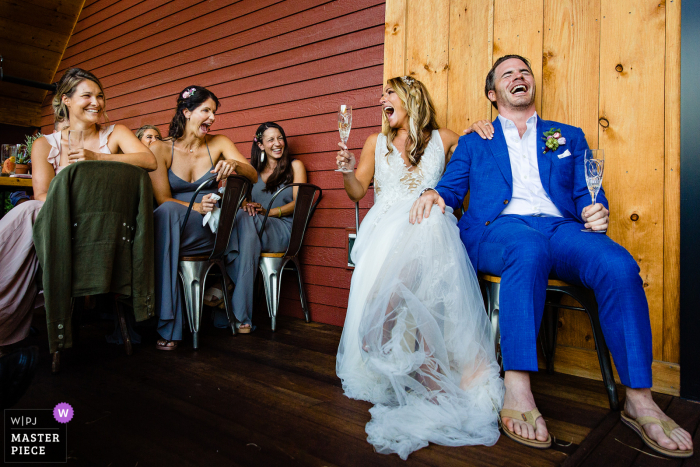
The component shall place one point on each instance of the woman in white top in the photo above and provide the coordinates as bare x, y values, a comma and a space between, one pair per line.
80, 100
416, 340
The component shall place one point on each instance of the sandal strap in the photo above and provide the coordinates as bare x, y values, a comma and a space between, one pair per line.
667, 425
527, 417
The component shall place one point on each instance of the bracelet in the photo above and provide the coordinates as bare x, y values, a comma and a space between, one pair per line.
426, 189
279, 214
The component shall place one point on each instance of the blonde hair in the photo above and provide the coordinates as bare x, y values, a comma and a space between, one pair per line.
421, 116
66, 86
140, 132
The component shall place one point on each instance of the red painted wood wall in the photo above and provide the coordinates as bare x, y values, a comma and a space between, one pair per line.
294, 62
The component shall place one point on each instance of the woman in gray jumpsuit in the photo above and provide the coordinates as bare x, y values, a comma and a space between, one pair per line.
185, 159
270, 157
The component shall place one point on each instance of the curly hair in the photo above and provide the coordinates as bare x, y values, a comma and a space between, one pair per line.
421, 116
193, 100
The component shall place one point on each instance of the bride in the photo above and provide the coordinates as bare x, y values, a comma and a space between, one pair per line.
416, 341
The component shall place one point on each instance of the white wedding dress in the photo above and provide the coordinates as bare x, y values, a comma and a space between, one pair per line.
416, 341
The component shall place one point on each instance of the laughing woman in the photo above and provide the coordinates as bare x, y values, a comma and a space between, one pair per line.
79, 100
185, 160
416, 341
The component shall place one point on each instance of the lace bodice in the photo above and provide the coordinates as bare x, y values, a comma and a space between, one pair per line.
393, 181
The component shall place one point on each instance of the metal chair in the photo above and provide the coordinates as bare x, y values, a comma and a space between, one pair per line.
193, 270
272, 264
556, 290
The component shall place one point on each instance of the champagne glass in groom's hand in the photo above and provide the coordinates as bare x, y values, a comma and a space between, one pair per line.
594, 162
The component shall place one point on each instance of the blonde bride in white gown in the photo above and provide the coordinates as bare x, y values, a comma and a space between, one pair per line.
416, 341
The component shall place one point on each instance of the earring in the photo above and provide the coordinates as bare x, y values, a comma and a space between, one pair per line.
262, 157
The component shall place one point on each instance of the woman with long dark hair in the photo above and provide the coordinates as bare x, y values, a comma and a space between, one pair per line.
78, 104
186, 158
275, 167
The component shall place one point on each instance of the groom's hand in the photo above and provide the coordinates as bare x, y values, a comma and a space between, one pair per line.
421, 208
596, 217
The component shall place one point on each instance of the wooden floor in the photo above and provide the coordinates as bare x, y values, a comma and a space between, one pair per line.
273, 399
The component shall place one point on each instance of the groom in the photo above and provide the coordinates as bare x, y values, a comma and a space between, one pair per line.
528, 203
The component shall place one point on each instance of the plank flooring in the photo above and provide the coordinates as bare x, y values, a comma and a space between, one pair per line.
273, 399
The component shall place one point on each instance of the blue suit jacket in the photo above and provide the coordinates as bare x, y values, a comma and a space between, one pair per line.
482, 168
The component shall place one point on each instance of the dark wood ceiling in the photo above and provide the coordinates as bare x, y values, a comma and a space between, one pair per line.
33, 37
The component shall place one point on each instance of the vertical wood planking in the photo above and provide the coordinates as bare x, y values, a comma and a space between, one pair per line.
395, 39
632, 100
427, 42
517, 29
570, 87
672, 184
470, 58
570, 64
574, 46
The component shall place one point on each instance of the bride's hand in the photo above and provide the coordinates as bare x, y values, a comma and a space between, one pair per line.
483, 127
345, 159
421, 208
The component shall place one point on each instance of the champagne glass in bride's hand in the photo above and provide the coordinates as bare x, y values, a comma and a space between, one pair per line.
344, 125
594, 162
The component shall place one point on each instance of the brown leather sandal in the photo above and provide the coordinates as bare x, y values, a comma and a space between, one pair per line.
530, 418
667, 425
164, 344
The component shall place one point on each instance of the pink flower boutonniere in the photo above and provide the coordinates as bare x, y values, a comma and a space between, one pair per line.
552, 140
188, 93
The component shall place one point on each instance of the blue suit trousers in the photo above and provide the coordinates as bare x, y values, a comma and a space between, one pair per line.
525, 251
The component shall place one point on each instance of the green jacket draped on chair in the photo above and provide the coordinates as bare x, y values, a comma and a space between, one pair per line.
94, 235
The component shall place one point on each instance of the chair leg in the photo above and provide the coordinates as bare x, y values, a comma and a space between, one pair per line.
271, 269
121, 318
550, 322
587, 300
302, 296
492, 299
193, 275
227, 298
603, 357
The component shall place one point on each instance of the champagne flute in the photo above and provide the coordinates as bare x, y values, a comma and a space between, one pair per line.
594, 162
75, 139
344, 125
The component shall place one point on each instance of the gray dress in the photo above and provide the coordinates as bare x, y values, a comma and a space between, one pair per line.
275, 238
242, 255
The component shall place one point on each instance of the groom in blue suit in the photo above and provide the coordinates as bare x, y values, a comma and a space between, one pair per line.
528, 203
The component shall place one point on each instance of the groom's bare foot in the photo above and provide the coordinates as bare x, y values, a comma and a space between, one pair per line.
639, 403
519, 397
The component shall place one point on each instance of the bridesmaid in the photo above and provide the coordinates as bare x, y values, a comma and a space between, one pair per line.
186, 158
79, 100
271, 159
147, 134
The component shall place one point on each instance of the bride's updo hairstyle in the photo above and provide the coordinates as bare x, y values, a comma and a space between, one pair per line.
66, 86
419, 106
189, 98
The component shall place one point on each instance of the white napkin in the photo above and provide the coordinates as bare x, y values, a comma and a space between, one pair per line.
212, 217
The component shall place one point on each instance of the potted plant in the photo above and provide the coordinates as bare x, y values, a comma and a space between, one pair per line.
24, 156
22, 160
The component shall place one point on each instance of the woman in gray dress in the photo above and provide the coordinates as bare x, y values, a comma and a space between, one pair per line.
185, 159
270, 157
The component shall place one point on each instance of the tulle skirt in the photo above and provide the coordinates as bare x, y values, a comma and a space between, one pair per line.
416, 341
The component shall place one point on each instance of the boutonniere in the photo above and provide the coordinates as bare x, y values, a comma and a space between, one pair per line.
552, 140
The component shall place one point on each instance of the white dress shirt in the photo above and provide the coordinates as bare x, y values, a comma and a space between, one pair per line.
529, 197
